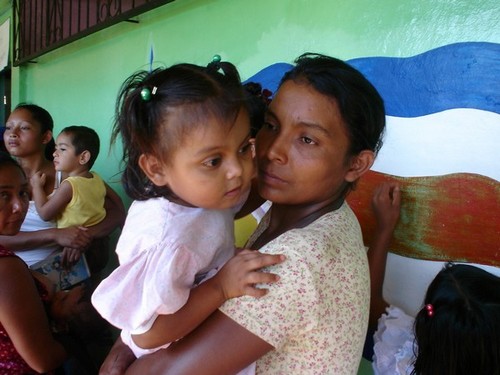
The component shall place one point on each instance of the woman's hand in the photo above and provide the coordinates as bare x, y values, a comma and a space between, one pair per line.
241, 273
118, 360
73, 237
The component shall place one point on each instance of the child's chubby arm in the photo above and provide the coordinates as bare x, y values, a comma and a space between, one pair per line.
49, 209
238, 277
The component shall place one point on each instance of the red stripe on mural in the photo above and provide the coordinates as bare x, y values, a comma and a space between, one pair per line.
454, 217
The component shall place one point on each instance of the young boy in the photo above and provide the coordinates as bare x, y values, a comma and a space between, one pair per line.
79, 200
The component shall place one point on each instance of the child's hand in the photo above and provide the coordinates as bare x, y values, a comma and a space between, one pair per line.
38, 180
386, 203
240, 274
70, 256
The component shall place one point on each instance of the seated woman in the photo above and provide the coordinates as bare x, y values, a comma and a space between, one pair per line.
27, 345
321, 133
28, 138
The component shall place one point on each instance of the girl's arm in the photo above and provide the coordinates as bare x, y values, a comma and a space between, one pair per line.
238, 277
23, 317
386, 203
49, 209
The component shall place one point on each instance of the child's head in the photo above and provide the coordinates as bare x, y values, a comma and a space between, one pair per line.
76, 146
458, 330
186, 135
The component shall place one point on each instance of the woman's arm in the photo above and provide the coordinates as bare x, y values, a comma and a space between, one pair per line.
73, 237
386, 203
115, 215
218, 346
238, 277
23, 317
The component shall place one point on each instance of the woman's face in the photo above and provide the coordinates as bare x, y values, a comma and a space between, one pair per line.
23, 134
14, 199
302, 148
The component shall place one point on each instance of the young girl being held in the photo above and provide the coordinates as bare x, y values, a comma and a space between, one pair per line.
188, 157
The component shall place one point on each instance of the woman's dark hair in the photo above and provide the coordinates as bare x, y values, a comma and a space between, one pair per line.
44, 119
144, 109
360, 104
6, 159
462, 335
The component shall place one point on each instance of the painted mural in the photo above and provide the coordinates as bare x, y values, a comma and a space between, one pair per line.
442, 144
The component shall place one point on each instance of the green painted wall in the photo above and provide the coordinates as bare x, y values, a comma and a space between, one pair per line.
78, 83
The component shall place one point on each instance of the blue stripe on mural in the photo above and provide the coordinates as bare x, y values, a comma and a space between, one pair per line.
461, 75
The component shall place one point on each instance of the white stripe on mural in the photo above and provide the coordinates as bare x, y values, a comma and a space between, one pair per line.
452, 141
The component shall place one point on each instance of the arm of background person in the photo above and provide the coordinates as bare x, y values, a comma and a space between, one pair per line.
218, 346
115, 215
73, 237
23, 317
386, 204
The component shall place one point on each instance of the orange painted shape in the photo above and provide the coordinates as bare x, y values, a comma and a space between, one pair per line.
454, 217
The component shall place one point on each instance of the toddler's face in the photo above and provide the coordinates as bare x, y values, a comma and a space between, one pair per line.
214, 166
65, 157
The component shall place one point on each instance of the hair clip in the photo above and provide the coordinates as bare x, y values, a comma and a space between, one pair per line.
146, 93
266, 95
216, 59
430, 309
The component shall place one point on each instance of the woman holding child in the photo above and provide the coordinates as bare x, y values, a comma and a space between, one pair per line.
321, 133
28, 137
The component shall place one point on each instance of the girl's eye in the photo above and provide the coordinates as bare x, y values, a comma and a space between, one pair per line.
246, 148
4, 195
212, 162
25, 194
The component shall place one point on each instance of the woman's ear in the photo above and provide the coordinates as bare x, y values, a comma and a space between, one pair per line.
154, 169
360, 164
46, 137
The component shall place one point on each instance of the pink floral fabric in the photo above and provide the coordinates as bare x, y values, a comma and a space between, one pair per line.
316, 315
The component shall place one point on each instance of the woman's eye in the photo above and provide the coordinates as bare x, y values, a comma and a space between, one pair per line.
269, 126
308, 141
212, 162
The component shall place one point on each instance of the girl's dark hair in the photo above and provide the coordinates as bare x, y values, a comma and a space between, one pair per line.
360, 104
462, 336
144, 122
257, 102
43, 117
